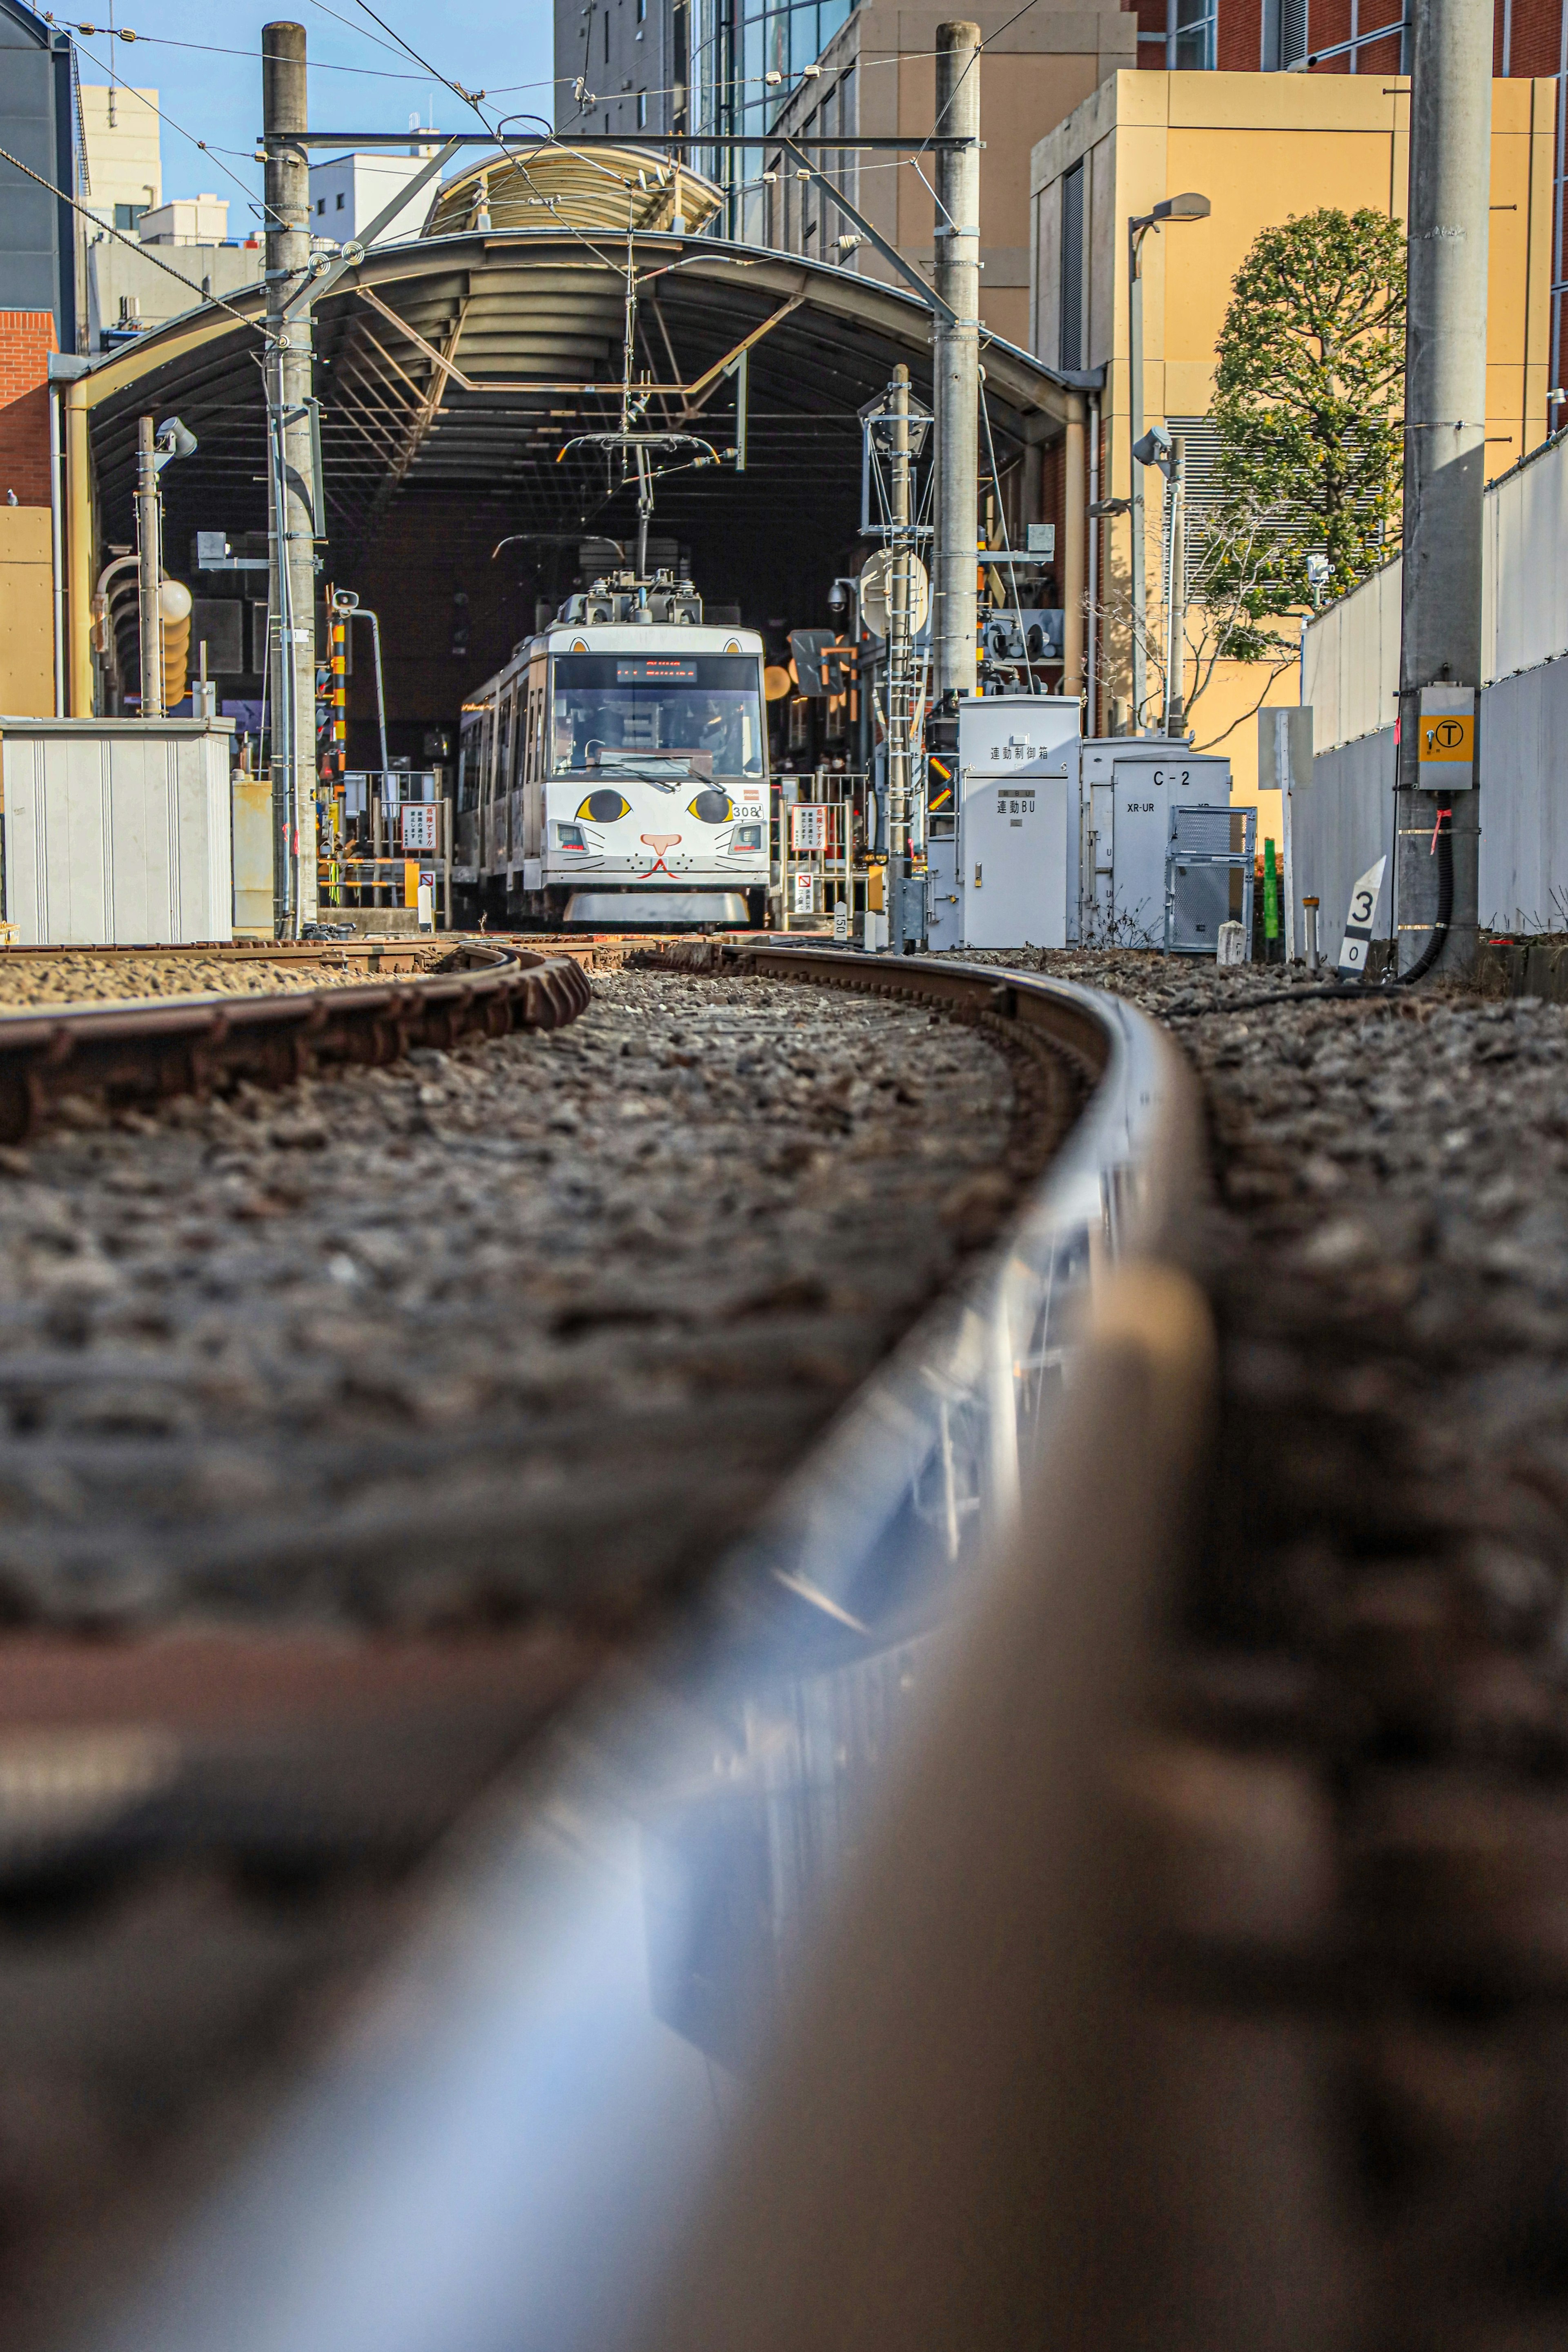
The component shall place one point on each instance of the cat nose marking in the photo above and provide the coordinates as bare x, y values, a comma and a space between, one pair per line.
660, 842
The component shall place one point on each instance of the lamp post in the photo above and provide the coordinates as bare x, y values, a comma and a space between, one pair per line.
1173, 208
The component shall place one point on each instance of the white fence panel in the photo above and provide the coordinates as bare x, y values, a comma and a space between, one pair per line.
1524, 809
1341, 824
1353, 649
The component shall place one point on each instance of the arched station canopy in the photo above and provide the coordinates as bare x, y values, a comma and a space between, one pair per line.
453, 370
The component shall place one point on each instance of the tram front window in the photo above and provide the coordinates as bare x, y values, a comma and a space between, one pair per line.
662, 715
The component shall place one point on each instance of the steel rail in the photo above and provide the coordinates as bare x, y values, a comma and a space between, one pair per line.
146, 1051
842, 1835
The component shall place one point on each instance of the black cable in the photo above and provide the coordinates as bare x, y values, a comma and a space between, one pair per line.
1433, 948
1358, 989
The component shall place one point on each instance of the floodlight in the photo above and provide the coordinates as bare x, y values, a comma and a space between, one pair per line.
1154, 449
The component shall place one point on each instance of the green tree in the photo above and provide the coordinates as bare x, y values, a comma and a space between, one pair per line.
1308, 395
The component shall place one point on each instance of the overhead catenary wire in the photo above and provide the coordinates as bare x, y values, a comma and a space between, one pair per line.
179, 129
86, 210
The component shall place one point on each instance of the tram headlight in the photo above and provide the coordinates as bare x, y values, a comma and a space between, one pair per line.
711, 808
605, 807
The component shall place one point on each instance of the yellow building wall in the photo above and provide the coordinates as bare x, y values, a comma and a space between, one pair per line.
27, 614
1263, 147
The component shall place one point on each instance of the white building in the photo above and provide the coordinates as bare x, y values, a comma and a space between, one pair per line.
186, 220
347, 193
124, 170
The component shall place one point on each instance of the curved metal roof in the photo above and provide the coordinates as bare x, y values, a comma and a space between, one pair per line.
606, 189
453, 369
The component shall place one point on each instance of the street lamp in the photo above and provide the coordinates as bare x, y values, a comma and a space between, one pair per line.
1186, 207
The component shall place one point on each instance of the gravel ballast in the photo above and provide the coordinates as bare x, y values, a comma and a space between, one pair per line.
30, 981
1367, 1759
419, 1344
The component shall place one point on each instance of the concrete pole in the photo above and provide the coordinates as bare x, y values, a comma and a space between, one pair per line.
292, 526
1135, 236
1176, 600
149, 571
1075, 499
899, 664
79, 551
1445, 434
955, 360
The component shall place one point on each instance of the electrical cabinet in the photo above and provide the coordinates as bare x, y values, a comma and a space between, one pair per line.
1127, 790
118, 830
944, 898
1013, 843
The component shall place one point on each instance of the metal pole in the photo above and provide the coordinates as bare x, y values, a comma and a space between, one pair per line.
79, 554
955, 359
899, 660
1445, 434
1091, 714
292, 527
57, 550
1176, 594
1074, 499
1136, 232
380, 686
148, 572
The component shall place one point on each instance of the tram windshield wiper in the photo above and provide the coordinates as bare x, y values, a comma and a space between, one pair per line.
666, 771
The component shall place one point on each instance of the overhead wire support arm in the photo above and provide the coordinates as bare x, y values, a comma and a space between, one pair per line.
846, 141
355, 252
890, 253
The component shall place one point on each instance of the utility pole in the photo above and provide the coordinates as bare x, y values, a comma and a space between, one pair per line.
955, 360
1437, 860
292, 527
1176, 594
900, 661
150, 572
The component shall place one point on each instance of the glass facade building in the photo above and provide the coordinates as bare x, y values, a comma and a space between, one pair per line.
747, 57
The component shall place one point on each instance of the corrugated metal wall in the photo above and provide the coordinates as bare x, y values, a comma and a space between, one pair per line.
1524, 803
1341, 825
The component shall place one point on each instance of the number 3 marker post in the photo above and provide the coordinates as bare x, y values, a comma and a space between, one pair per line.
1357, 942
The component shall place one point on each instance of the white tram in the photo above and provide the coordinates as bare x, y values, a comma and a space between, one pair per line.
615, 771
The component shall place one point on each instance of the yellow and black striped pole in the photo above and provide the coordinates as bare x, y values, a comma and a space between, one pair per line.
340, 694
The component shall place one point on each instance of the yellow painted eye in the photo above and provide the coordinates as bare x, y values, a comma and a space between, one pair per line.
711, 808
605, 807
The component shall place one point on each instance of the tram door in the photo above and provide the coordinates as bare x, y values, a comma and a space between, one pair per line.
532, 797
495, 799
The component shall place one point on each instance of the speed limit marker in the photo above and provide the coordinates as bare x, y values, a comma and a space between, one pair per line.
1356, 945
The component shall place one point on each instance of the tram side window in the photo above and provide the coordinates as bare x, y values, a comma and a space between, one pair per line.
470, 770
503, 755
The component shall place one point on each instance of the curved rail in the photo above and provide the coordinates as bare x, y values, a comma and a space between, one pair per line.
149, 1050
531, 2134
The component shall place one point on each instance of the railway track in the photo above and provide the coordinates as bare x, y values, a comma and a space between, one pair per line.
659, 1798
136, 1054
271, 1628
1135, 1749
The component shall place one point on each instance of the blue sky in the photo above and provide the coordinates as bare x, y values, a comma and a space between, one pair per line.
203, 61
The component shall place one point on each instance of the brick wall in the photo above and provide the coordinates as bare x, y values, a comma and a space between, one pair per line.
27, 338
